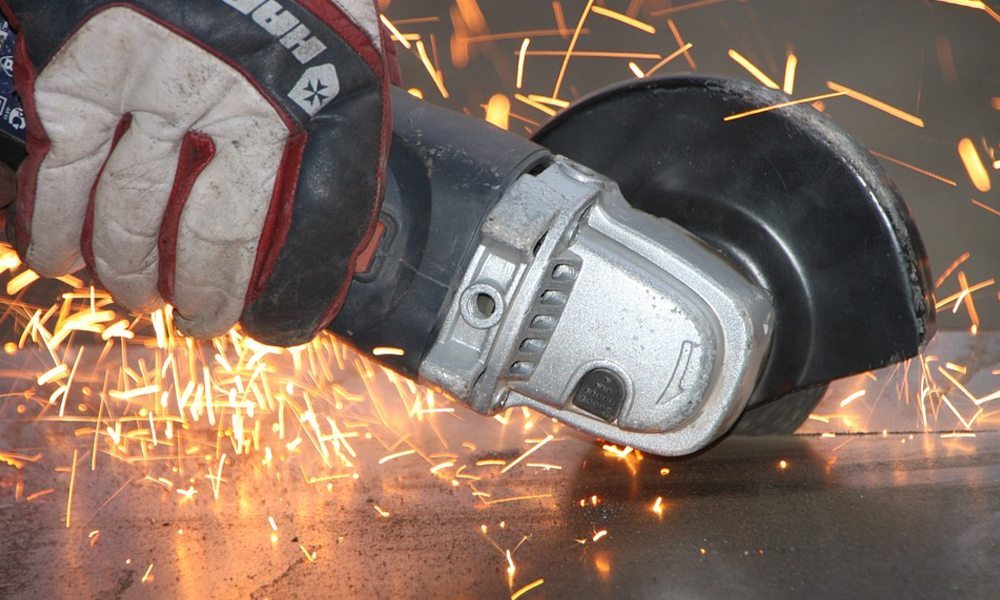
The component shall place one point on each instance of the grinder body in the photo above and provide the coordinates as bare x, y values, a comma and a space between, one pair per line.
506, 275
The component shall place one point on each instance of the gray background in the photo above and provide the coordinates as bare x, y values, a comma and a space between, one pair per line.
894, 50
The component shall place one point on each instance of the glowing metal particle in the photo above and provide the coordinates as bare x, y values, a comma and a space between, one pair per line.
915, 168
788, 86
69, 497
520, 62
765, 109
497, 113
630, 21
852, 398
752, 69
534, 584
985, 207
526, 454
395, 32
974, 166
388, 351
874, 103
572, 46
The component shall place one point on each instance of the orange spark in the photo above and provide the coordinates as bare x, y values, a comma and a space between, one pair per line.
680, 43
630, 21
765, 109
974, 166
791, 63
520, 62
851, 398
753, 70
69, 496
914, 168
534, 584
878, 104
572, 46
951, 269
395, 32
526, 454
986, 207
498, 111
682, 50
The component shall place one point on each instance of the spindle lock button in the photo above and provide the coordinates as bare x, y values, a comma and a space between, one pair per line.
601, 393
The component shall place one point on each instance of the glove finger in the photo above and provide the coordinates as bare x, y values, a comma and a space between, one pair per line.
55, 190
217, 236
131, 196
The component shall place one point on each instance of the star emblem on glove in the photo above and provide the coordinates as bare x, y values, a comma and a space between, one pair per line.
316, 88
315, 91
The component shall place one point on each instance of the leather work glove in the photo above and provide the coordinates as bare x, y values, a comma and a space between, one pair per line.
224, 156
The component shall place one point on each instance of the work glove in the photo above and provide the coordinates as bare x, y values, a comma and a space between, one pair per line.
224, 156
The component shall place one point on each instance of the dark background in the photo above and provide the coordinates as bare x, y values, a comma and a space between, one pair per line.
937, 60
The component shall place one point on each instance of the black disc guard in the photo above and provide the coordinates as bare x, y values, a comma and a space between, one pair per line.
792, 199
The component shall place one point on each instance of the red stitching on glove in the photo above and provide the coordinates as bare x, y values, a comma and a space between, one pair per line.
197, 150
279, 215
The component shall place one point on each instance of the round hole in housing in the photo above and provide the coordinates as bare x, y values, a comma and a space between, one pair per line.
482, 305
485, 305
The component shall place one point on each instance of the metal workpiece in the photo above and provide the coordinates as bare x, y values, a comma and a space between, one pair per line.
616, 322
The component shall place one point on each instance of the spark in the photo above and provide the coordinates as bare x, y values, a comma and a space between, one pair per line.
752, 69
21, 281
684, 7
310, 556
69, 496
534, 584
657, 506
146, 576
682, 50
382, 513
598, 535
395, 32
846, 401
527, 453
389, 350
783, 464
396, 455
914, 168
985, 207
664, 471
681, 43
974, 166
572, 46
765, 109
39, 494
520, 62
878, 104
788, 86
498, 111
597, 54
630, 21
518, 498
439, 467
54, 374
958, 297
435, 74
545, 466
537, 106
